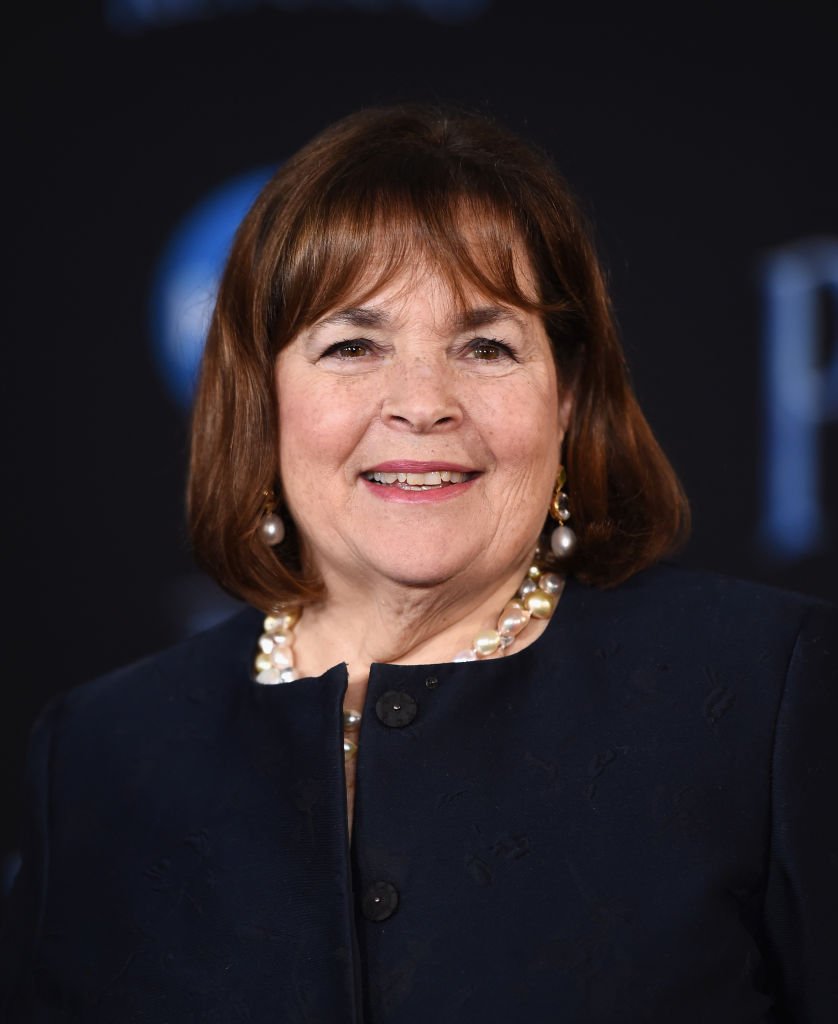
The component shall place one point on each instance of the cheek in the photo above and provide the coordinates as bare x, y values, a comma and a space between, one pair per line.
318, 428
524, 429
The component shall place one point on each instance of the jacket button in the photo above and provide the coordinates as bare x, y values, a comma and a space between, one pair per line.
396, 709
381, 900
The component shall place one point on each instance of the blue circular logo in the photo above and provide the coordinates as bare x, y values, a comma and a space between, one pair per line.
187, 276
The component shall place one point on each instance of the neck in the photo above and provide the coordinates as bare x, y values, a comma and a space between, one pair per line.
401, 624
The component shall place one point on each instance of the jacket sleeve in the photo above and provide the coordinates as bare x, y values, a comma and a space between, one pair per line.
801, 906
20, 925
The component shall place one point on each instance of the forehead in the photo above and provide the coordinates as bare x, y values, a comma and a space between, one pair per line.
460, 258
427, 296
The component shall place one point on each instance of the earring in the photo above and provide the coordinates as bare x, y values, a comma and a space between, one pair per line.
271, 527
562, 539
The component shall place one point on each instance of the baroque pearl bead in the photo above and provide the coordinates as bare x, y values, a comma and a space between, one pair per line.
281, 638
281, 657
551, 583
513, 619
540, 604
263, 662
351, 719
285, 619
272, 529
465, 656
487, 642
563, 541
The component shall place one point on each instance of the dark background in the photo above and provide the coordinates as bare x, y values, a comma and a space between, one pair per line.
700, 140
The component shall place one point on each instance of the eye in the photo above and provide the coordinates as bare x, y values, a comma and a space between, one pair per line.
352, 348
490, 350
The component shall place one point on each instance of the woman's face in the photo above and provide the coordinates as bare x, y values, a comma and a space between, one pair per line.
419, 441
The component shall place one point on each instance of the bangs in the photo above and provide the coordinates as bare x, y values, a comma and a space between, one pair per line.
359, 238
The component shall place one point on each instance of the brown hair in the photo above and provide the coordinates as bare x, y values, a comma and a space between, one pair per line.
377, 188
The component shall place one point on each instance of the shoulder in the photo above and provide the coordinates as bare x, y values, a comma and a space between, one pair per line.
712, 633
195, 679
702, 604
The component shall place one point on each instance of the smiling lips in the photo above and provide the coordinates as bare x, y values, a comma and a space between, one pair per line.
421, 477
418, 481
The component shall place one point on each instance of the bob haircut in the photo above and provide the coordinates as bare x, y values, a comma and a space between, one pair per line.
372, 194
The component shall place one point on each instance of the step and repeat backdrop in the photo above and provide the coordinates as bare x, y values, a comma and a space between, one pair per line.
703, 144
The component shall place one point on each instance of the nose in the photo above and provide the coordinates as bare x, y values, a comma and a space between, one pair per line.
421, 397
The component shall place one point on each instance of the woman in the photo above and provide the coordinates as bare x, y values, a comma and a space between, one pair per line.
485, 759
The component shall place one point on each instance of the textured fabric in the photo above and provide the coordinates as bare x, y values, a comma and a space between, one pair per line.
631, 820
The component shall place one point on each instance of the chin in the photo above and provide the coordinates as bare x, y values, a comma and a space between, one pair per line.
425, 573
421, 579
427, 582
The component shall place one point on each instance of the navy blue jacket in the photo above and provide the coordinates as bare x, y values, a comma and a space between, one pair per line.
631, 820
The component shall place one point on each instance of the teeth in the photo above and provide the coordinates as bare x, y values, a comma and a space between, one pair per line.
433, 479
424, 479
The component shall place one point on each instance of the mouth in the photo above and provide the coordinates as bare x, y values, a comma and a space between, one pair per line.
432, 479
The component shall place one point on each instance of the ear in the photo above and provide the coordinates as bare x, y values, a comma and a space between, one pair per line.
566, 398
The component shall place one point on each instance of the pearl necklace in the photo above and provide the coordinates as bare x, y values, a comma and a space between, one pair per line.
537, 598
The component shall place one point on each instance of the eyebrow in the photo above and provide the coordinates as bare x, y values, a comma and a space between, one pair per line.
370, 317
355, 316
482, 316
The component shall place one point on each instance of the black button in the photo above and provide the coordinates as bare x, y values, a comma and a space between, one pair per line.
432, 682
381, 900
396, 709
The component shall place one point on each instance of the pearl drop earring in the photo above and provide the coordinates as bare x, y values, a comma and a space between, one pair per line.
563, 539
271, 527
